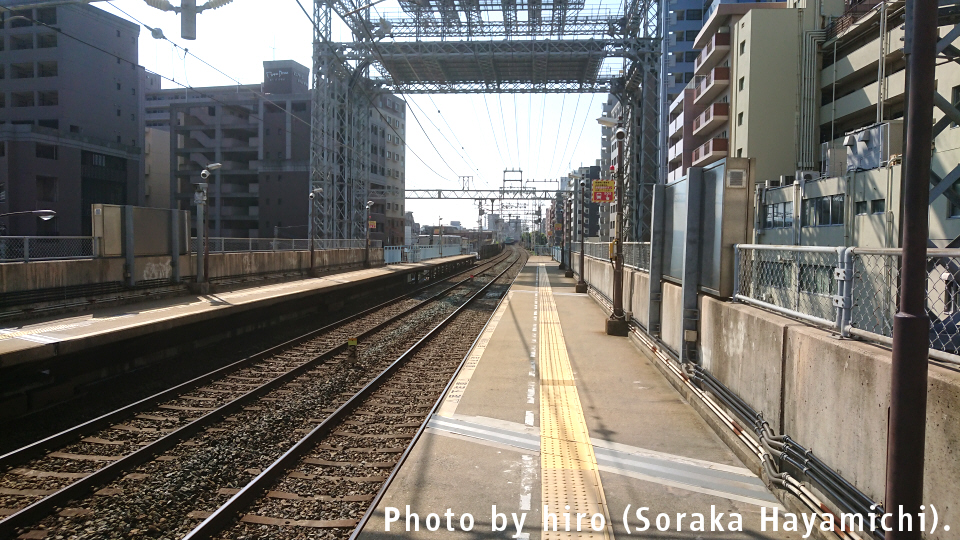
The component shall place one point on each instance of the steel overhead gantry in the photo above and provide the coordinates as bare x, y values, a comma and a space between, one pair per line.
473, 194
483, 46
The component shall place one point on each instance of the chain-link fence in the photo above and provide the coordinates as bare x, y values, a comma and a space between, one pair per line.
635, 254
41, 248
855, 291
799, 281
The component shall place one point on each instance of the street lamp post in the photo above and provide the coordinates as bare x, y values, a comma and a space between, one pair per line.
568, 237
581, 284
200, 197
310, 233
45, 215
366, 255
617, 323
440, 226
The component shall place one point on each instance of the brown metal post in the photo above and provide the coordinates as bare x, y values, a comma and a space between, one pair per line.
911, 326
581, 284
617, 323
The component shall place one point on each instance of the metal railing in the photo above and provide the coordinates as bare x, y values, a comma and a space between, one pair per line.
234, 245
635, 254
557, 252
853, 291
46, 248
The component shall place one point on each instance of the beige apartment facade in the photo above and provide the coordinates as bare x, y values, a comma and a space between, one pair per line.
853, 197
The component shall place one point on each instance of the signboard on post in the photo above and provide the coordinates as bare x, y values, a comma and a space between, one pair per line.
372, 224
557, 226
603, 191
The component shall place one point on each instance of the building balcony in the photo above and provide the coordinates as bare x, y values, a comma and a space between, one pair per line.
676, 127
676, 152
674, 175
714, 115
712, 53
710, 86
710, 151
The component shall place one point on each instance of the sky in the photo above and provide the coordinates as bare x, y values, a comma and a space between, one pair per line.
448, 136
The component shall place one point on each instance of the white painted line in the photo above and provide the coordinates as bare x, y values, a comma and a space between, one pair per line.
528, 418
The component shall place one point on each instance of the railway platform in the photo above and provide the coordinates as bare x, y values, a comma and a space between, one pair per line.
551, 419
45, 360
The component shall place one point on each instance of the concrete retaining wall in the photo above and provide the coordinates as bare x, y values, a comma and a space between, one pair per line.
32, 276
829, 394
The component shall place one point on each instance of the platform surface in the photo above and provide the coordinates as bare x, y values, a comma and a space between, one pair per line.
53, 335
549, 410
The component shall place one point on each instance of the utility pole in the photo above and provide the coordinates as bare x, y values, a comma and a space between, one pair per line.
908, 374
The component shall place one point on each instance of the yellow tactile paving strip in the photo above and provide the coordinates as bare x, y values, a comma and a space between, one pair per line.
570, 478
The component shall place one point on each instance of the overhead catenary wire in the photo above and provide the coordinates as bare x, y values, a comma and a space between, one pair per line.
569, 133
252, 91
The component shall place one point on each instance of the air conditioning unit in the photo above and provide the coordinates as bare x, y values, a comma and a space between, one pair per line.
871, 147
833, 158
787, 179
808, 176
771, 184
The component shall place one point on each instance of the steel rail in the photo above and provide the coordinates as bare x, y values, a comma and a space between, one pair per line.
224, 515
406, 453
44, 506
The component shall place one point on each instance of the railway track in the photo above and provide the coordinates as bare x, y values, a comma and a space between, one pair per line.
334, 476
235, 416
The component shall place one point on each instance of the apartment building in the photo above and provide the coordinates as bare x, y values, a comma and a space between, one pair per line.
388, 168
586, 213
853, 197
71, 116
742, 100
260, 133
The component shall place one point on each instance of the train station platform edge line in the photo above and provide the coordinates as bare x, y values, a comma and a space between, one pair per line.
55, 336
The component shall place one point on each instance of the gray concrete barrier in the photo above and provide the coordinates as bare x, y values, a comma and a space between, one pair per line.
829, 394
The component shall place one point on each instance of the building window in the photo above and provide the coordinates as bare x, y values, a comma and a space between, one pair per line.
690, 56
46, 41
46, 151
21, 71
47, 15
22, 99
694, 14
739, 152
212, 111
3, 192
691, 35
52, 124
46, 189
74, 129
823, 211
740, 83
739, 119
22, 42
778, 215
47, 69
863, 208
955, 99
743, 46
48, 99
118, 112
878, 206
